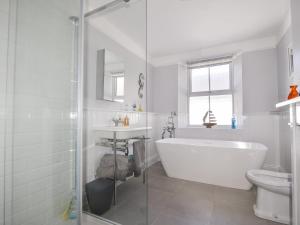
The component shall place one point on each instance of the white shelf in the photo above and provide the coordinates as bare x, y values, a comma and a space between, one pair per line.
288, 102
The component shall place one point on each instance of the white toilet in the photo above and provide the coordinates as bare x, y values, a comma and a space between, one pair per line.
273, 195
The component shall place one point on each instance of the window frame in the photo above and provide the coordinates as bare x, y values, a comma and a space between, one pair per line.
210, 63
115, 97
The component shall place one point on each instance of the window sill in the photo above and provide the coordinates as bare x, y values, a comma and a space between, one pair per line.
220, 127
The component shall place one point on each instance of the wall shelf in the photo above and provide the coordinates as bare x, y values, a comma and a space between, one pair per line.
288, 102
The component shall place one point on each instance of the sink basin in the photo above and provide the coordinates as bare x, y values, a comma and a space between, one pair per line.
121, 132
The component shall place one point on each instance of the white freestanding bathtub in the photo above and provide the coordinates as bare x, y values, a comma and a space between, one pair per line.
222, 163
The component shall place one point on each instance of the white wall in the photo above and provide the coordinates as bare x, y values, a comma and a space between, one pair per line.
284, 81
259, 81
295, 5
259, 97
134, 65
164, 81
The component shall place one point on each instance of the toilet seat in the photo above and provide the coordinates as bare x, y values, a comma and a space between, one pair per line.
273, 181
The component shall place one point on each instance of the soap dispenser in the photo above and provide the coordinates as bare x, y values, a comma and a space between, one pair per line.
126, 121
234, 122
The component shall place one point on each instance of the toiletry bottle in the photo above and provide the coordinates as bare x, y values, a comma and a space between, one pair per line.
70, 212
126, 121
293, 92
140, 109
233, 122
73, 207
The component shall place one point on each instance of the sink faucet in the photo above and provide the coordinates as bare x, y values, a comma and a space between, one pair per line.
170, 128
117, 121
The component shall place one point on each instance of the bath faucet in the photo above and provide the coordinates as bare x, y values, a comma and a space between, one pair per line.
163, 133
170, 128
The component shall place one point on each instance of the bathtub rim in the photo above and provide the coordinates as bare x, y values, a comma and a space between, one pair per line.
254, 145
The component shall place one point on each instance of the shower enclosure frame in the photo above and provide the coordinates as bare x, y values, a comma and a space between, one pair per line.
78, 70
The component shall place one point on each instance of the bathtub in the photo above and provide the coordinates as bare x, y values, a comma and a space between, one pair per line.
222, 163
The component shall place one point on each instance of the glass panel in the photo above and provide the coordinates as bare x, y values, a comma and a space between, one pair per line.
120, 86
115, 185
198, 107
221, 105
220, 77
200, 79
4, 18
110, 65
44, 118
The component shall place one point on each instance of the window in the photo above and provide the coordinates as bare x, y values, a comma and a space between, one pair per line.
118, 87
210, 89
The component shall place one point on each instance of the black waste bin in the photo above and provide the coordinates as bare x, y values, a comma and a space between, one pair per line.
99, 195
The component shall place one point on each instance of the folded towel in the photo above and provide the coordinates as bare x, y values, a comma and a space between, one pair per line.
138, 157
106, 167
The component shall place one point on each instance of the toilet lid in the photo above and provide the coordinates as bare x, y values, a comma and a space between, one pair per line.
271, 178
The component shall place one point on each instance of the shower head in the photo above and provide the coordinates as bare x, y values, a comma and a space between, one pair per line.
74, 20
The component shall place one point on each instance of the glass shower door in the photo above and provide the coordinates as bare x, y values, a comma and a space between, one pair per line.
40, 158
115, 137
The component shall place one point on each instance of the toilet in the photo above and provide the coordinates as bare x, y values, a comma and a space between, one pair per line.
273, 195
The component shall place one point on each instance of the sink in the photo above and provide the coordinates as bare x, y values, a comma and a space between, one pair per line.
121, 132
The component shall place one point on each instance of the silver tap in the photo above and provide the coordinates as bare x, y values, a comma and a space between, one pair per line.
170, 128
163, 133
117, 121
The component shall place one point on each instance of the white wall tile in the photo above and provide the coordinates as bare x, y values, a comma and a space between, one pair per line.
39, 167
3, 25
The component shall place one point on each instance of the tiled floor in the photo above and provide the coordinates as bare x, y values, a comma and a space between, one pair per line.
131, 208
177, 202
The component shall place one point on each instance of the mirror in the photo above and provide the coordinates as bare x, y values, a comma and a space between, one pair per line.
110, 81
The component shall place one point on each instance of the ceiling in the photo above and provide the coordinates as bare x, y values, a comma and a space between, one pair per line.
176, 26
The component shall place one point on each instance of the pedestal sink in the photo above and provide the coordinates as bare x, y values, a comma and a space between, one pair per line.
116, 134
121, 132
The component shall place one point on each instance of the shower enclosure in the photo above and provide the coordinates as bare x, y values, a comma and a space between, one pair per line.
40, 89
46, 100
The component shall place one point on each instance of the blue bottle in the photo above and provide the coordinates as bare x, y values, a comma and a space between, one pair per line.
233, 122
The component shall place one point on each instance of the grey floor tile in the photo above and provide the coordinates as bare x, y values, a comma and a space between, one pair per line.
128, 214
154, 211
197, 191
224, 214
166, 184
156, 171
177, 202
166, 219
159, 197
236, 197
192, 208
